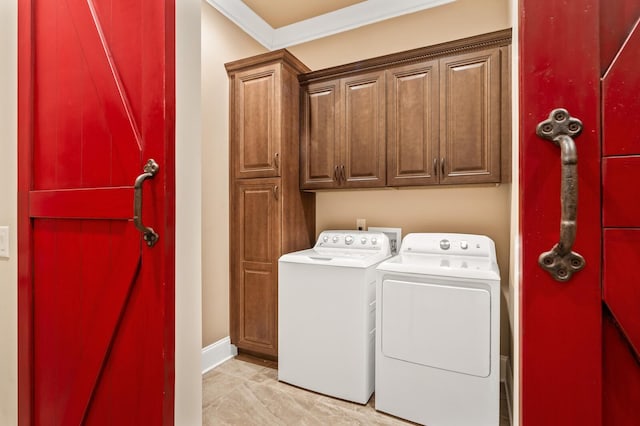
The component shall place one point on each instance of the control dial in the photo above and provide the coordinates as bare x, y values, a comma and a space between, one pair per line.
374, 241
445, 244
335, 239
348, 240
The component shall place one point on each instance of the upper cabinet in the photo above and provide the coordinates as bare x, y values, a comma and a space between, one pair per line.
435, 115
261, 107
343, 133
470, 122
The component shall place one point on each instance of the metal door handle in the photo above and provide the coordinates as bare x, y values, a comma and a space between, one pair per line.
336, 176
560, 128
276, 160
442, 166
342, 173
275, 192
435, 167
150, 170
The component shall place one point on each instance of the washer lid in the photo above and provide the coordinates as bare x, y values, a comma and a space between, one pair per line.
336, 257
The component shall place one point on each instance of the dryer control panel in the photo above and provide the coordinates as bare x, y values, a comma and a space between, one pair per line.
450, 244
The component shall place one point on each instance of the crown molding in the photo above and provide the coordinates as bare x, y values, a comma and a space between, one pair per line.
348, 18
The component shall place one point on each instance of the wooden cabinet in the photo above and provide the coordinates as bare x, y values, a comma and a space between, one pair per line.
412, 124
470, 122
444, 121
257, 126
256, 237
434, 115
269, 215
343, 133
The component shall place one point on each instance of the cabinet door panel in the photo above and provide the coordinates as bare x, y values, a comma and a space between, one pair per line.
412, 124
256, 232
364, 153
470, 117
257, 123
320, 135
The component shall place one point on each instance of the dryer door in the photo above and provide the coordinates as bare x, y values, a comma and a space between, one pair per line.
440, 326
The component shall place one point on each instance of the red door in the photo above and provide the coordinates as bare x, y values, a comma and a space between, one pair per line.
95, 299
580, 333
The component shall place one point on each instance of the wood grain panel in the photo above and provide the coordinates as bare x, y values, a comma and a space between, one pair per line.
412, 124
364, 152
257, 126
320, 135
619, 208
470, 111
621, 280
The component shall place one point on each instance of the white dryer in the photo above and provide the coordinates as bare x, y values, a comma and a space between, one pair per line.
438, 325
326, 314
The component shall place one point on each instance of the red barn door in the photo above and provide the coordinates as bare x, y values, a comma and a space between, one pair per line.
580, 331
96, 298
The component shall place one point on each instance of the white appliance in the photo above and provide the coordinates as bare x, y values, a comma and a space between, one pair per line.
438, 325
326, 314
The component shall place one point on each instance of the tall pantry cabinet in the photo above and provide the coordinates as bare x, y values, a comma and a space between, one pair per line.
269, 214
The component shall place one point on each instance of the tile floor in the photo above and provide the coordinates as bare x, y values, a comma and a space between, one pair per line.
243, 393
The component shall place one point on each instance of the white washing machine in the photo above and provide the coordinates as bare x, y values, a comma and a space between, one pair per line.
326, 314
438, 325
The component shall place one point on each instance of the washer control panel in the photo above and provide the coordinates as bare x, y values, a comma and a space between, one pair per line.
353, 240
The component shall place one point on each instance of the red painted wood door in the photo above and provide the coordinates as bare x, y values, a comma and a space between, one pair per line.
95, 302
580, 338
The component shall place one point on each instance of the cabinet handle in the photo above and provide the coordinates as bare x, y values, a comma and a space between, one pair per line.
560, 128
435, 167
275, 192
336, 176
342, 172
442, 166
276, 160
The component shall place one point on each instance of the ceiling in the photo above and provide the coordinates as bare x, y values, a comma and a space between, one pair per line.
281, 23
279, 13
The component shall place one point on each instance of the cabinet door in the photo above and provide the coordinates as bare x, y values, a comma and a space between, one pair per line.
255, 241
363, 137
412, 124
470, 117
256, 122
320, 136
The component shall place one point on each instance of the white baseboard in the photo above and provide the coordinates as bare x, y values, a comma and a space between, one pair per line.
217, 353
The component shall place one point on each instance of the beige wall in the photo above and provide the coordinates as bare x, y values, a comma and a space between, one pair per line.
222, 41
8, 206
480, 210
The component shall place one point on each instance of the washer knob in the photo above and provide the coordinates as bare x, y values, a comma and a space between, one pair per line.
325, 238
348, 240
374, 241
363, 240
445, 244
335, 239
464, 245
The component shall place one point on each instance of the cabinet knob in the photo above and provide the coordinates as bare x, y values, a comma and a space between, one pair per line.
276, 160
275, 192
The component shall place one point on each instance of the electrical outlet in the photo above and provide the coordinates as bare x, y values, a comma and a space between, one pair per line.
394, 235
4, 241
361, 224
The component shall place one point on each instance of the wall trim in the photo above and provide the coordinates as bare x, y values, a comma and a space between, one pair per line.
217, 353
508, 386
348, 18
